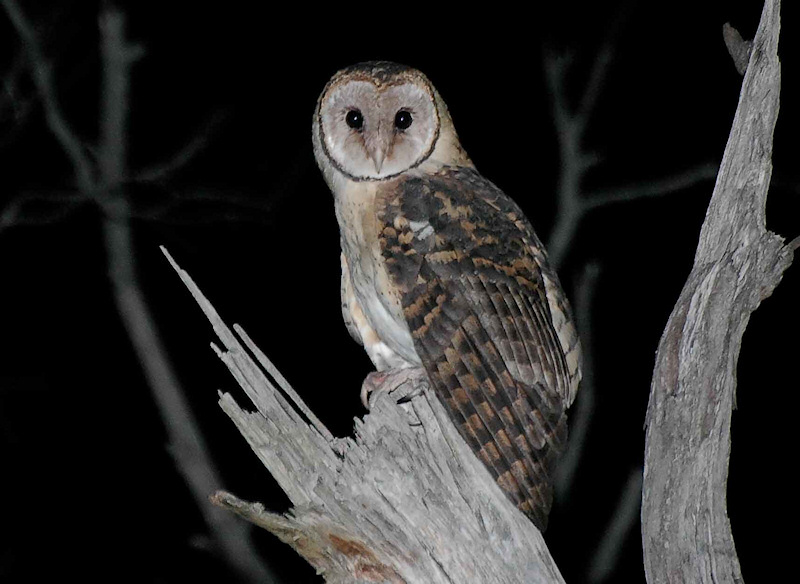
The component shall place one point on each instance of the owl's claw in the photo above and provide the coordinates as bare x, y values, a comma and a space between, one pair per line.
372, 382
402, 384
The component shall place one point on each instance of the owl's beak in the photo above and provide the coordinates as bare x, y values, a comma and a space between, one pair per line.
377, 155
378, 147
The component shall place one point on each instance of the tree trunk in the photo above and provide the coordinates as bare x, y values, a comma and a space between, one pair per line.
685, 528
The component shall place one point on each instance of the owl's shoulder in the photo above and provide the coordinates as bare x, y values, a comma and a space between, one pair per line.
458, 202
454, 222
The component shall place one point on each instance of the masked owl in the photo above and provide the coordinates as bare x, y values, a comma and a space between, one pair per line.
442, 270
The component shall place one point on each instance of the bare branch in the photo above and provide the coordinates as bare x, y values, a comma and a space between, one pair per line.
569, 130
571, 125
603, 59
572, 203
106, 187
185, 155
11, 98
117, 56
205, 205
622, 521
594, 86
651, 188
33, 209
185, 440
43, 79
685, 527
406, 501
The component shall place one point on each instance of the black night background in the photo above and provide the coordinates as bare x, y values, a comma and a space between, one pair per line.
220, 170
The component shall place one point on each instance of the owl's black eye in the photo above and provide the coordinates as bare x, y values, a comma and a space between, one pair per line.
403, 119
354, 119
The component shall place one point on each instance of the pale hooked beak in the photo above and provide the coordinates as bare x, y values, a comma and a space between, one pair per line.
378, 147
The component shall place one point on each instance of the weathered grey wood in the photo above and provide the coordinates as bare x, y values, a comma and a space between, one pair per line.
685, 528
403, 501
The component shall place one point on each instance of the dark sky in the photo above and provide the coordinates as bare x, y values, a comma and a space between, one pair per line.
88, 486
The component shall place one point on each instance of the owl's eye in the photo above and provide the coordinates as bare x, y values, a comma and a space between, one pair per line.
354, 119
403, 119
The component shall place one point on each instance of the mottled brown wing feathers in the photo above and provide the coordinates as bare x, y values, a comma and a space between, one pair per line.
490, 412
473, 296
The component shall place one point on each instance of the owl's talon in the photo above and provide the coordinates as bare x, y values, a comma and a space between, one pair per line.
371, 383
403, 385
409, 384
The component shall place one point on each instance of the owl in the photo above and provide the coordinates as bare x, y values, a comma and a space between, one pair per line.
442, 270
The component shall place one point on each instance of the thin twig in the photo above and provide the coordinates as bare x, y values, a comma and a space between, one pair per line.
43, 79
569, 130
11, 98
34, 209
594, 86
651, 188
619, 527
186, 154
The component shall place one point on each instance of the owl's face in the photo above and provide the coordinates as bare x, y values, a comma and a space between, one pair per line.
376, 120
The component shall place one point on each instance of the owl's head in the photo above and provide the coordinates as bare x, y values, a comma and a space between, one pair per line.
378, 119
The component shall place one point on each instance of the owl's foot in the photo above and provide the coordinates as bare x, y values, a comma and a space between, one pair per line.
402, 384
372, 383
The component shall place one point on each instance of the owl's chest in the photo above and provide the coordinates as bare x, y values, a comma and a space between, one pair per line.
360, 228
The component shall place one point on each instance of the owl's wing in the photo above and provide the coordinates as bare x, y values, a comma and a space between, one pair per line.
478, 297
